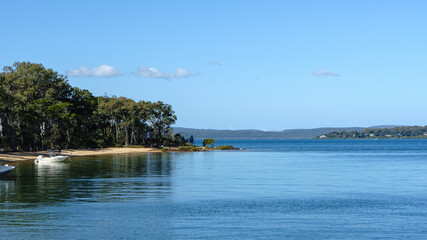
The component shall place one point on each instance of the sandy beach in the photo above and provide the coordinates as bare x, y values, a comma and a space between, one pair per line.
25, 156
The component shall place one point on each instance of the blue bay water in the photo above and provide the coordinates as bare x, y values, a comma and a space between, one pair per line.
273, 189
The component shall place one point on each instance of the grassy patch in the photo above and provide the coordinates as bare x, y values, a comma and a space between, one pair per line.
226, 147
191, 148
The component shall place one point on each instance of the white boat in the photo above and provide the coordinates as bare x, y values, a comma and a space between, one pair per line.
5, 169
51, 158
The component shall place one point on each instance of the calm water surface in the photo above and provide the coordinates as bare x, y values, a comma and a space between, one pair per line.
274, 189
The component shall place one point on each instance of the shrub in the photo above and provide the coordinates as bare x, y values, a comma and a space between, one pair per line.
189, 149
226, 147
208, 141
165, 149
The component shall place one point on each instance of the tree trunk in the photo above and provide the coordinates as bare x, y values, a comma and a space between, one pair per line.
1, 130
22, 138
159, 137
12, 138
117, 131
126, 136
42, 132
68, 138
133, 138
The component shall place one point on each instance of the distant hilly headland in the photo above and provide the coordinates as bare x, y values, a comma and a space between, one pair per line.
258, 134
376, 133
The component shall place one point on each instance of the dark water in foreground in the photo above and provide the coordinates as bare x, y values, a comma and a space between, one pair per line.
275, 189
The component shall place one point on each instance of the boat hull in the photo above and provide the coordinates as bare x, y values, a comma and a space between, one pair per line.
4, 170
51, 159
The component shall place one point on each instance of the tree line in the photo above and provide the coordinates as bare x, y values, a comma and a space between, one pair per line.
396, 132
39, 109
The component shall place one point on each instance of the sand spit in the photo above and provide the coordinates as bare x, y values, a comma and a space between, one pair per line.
24, 156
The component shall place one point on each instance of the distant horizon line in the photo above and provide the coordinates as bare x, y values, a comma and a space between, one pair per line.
253, 129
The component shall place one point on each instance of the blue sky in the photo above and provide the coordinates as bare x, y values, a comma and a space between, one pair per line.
267, 65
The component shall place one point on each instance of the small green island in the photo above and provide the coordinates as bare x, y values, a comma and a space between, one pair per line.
379, 133
208, 145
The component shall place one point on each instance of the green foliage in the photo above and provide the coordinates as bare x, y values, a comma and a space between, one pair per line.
160, 118
209, 142
34, 105
190, 148
226, 147
193, 148
397, 132
165, 149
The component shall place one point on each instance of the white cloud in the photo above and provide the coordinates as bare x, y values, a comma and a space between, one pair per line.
325, 73
216, 63
100, 71
155, 73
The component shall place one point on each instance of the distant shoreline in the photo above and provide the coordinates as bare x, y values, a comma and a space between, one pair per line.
259, 134
26, 156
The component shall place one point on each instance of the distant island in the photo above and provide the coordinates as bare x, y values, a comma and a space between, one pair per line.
258, 134
370, 133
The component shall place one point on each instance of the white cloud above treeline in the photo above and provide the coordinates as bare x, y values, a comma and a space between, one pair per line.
99, 71
155, 73
325, 73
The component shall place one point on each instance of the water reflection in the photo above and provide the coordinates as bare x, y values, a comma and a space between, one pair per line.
6, 189
47, 171
95, 179
122, 177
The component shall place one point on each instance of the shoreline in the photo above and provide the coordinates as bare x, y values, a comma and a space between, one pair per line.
26, 156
